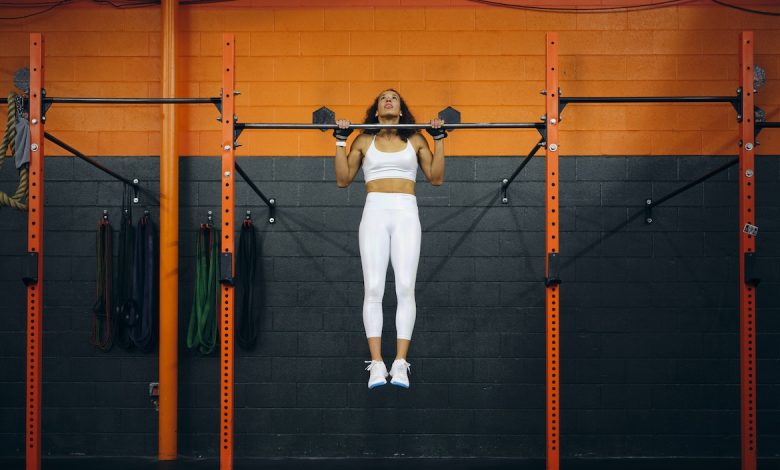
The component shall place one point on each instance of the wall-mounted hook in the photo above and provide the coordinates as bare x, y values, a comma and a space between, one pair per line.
210, 218
248, 215
105, 214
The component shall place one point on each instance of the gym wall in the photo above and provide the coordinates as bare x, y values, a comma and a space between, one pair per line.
487, 62
649, 342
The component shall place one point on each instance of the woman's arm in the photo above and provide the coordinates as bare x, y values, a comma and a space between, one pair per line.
348, 164
432, 164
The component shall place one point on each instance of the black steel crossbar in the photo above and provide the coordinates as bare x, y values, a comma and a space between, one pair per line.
650, 204
648, 99
133, 100
505, 183
271, 203
768, 124
133, 183
323, 127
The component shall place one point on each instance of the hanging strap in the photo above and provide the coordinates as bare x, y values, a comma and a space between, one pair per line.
202, 330
245, 273
143, 329
124, 275
101, 310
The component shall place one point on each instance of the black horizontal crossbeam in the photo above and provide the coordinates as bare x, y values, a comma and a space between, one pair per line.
465, 125
648, 99
86, 100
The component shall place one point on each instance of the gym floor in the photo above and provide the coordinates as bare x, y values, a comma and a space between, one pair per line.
388, 464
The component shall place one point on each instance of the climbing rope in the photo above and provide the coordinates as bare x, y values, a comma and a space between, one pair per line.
246, 264
9, 136
202, 330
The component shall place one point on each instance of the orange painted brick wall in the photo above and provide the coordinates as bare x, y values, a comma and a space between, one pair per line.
485, 61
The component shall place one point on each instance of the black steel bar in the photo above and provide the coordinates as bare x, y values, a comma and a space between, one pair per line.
688, 186
649, 99
133, 100
768, 124
322, 127
505, 183
269, 202
80, 155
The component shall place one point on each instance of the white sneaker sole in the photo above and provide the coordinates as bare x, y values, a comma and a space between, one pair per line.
399, 384
377, 384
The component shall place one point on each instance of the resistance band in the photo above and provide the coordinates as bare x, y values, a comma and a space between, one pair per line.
142, 319
124, 278
245, 273
202, 330
101, 310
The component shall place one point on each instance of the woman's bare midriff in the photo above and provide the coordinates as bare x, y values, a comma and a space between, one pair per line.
391, 185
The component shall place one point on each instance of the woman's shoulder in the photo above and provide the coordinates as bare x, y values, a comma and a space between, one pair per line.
417, 140
363, 140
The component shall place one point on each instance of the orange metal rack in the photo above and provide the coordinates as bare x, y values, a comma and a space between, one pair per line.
227, 250
34, 280
747, 247
552, 250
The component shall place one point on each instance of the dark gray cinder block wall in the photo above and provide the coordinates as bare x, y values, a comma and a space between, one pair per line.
649, 316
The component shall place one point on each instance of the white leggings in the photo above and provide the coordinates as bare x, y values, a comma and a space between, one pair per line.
389, 231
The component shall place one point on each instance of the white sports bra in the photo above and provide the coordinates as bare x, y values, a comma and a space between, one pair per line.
379, 165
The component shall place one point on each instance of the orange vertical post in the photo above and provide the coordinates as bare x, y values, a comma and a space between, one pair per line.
227, 250
35, 250
169, 245
747, 247
552, 228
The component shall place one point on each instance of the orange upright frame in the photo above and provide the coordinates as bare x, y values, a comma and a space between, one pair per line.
167, 424
35, 245
552, 228
228, 244
747, 245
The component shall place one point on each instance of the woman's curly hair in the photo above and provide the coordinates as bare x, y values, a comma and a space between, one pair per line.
406, 116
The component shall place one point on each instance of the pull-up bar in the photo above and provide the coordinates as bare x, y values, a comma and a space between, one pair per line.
324, 119
648, 99
465, 125
85, 100
733, 100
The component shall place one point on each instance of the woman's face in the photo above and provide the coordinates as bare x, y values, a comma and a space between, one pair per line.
389, 104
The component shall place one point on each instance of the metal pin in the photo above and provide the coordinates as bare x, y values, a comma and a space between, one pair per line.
34, 147
227, 174
226, 147
553, 147
749, 173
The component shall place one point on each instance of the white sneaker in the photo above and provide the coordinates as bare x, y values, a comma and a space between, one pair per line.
378, 375
400, 372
